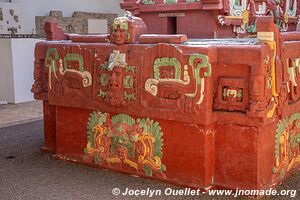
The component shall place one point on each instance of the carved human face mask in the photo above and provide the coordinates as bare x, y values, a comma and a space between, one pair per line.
116, 79
119, 36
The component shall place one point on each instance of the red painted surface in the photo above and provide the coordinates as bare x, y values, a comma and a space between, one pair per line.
193, 112
155, 39
49, 127
71, 129
88, 38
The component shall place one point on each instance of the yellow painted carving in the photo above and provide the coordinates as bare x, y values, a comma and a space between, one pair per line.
271, 112
268, 38
156, 161
287, 143
131, 163
113, 160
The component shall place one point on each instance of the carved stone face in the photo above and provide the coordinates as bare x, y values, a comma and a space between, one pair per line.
116, 79
119, 36
115, 87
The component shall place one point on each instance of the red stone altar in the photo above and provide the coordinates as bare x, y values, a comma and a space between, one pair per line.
155, 99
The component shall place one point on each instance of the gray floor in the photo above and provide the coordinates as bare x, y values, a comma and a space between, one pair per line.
28, 173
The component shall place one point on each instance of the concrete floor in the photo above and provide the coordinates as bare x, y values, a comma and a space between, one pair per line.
13, 114
28, 173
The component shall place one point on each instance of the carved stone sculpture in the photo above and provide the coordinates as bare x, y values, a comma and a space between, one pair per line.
200, 112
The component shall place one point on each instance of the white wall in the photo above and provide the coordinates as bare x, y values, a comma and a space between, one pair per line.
16, 69
6, 71
32, 8
23, 66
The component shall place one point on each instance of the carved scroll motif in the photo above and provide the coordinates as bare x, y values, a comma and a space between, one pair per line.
51, 62
151, 83
63, 66
197, 62
63, 69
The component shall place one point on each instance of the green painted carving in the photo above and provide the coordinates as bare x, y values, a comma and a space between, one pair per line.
121, 23
240, 93
291, 9
287, 142
251, 28
198, 62
170, 1
147, 170
130, 68
237, 7
202, 64
73, 57
51, 58
104, 66
129, 96
295, 140
102, 94
95, 118
117, 59
281, 126
148, 2
104, 79
150, 126
228, 92
128, 82
51, 62
160, 62
123, 140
